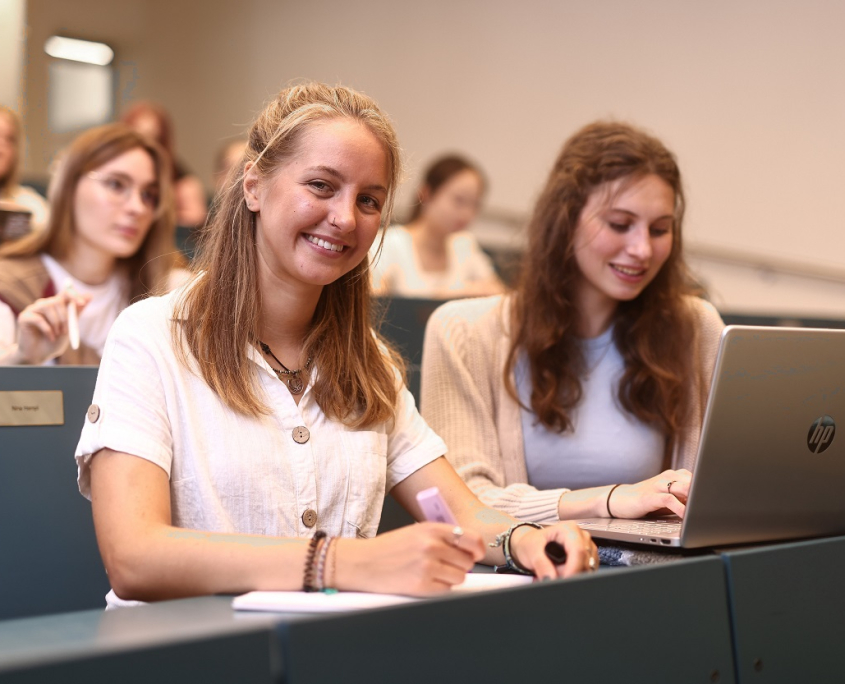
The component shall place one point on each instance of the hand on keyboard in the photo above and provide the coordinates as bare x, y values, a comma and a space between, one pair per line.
668, 490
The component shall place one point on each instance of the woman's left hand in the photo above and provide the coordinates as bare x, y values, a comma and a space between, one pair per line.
528, 546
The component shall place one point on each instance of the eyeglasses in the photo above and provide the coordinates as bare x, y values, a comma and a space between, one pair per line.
119, 189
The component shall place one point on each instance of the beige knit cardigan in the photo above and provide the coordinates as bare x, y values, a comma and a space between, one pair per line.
463, 398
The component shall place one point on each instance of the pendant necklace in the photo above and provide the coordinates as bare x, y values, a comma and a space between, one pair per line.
290, 377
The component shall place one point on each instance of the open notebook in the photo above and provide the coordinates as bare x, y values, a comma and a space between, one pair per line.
319, 602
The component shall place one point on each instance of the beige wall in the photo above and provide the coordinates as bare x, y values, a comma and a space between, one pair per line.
749, 93
12, 40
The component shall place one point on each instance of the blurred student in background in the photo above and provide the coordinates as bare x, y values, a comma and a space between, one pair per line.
153, 120
228, 157
109, 242
434, 256
13, 196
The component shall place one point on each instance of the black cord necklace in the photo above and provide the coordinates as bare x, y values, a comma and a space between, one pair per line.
291, 377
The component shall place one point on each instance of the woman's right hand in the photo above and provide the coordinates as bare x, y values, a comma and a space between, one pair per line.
42, 328
418, 560
668, 490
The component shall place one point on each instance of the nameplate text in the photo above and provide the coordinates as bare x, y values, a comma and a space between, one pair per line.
31, 408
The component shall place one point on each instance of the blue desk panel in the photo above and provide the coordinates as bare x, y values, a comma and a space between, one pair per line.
788, 608
650, 624
193, 640
655, 624
49, 561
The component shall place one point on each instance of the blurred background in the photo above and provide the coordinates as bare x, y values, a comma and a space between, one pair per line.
748, 93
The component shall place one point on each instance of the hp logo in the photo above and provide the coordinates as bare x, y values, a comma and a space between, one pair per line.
821, 434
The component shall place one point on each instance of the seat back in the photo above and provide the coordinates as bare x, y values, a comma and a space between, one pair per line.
49, 560
403, 324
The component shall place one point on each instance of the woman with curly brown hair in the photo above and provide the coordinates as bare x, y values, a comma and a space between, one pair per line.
594, 372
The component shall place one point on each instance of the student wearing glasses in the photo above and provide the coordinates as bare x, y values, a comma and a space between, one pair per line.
109, 241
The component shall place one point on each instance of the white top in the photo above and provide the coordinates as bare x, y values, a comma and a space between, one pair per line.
107, 301
235, 474
397, 270
608, 444
35, 203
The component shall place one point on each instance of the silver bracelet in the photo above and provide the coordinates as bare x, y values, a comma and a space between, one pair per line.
504, 540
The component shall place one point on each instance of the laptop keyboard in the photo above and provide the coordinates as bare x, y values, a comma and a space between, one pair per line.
644, 527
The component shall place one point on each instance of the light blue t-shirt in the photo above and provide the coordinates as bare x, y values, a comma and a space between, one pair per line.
608, 444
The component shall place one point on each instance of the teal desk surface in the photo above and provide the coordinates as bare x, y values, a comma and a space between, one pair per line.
173, 641
655, 624
788, 610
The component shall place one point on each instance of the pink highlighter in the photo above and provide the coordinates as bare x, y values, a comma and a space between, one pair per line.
434, 506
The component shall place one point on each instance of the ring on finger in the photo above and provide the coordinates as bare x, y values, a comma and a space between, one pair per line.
457, 533
592, 564
669, 486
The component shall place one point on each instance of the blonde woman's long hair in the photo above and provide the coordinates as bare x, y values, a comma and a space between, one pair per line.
150, 266
218, 316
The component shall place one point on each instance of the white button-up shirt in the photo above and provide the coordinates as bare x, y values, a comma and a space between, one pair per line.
232, 473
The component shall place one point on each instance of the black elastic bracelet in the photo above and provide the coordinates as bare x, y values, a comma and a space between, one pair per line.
607, 501
308, 576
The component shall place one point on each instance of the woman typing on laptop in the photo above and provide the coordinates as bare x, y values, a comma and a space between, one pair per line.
580, 395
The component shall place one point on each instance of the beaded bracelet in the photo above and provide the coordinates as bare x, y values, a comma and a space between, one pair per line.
308, 577
504, 540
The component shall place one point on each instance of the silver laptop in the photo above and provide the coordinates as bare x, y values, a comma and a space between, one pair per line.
771, 463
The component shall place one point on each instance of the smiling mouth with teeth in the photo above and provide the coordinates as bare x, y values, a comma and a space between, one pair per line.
324, 244
629, 271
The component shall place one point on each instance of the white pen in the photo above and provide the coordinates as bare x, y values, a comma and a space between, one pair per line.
72, 316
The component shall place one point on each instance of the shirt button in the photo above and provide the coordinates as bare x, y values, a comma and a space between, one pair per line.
93, 413
309, 518
301, 434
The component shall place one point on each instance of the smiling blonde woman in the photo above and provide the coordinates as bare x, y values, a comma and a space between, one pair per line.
247, 438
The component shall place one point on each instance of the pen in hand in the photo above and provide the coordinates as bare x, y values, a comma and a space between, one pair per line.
72, 315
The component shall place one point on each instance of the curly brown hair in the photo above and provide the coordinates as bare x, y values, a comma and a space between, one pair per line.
654, 332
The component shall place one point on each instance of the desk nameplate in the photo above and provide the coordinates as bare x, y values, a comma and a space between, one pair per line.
19, 408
